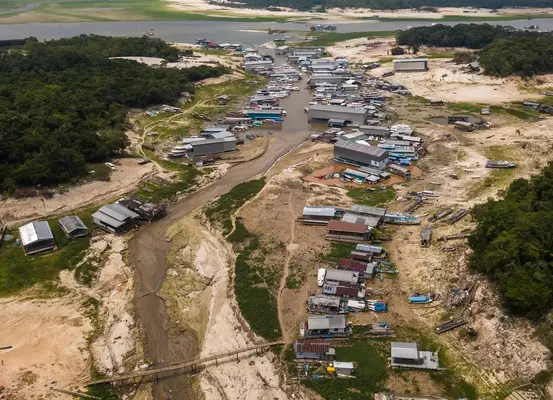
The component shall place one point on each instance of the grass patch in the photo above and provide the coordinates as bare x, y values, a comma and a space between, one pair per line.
254, 298
338, 250
466, 107
19, 272
385, 60
98, 172
525, 115
467, 18
220, 212
376, 198
240, 233
433, 54
370, 373
330, 38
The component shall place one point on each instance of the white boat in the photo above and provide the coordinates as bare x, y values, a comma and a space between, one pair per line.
321, 276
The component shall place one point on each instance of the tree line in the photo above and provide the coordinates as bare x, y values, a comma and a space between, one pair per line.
393, 4
502, 51
63, 103
513, 244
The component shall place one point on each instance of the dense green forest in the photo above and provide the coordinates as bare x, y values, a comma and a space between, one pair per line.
503, 50
513, 244
63, 103
395, 4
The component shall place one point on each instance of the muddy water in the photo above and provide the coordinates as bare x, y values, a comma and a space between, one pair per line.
149, 249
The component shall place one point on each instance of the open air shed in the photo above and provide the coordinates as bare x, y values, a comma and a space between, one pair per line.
36, 237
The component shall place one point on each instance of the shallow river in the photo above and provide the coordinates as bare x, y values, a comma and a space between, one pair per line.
222, 32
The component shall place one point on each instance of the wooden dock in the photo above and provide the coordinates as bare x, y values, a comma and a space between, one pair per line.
184, 365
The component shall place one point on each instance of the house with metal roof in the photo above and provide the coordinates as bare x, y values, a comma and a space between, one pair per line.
322, 325
407, 355
347, 231
369, 248
73, 226
342, 276
315, 215
343, 289
213, 146
321, 303
364, 269
411, 65
360, 154
368, 220
36, 237
314, 349
367, 210
115, 218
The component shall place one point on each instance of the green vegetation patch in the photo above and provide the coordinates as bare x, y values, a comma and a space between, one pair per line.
505, 51
513, 241
338, 250
64, 103
19, 271
252, 288
372, 198
370, 373
220, 212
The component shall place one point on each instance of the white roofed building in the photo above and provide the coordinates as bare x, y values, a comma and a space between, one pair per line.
36, 237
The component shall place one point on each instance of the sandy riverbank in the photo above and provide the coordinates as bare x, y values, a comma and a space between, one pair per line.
350, 13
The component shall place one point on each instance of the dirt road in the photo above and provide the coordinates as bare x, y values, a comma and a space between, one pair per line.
149, 249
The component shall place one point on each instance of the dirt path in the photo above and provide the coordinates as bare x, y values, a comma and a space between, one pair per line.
290, 248
149, 248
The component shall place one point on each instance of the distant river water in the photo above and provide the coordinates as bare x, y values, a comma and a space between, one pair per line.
221, 32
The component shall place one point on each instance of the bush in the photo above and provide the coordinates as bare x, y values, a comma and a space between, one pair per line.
464, 57
398, 51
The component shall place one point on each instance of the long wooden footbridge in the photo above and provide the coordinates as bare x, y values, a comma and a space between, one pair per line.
193, 364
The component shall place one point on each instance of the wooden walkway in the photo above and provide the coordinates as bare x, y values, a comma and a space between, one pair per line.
185, 365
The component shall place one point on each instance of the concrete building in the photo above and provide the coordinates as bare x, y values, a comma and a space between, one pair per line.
407, 355
36, 237
343, 368
321, 303
314, 349
115, 218
251, 66
212, 146
360, 154
324, 113
73, 226
347, 231
322, 325
411, 65
338, 275
313, 215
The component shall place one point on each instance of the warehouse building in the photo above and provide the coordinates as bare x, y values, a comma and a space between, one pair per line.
73, 226
360, 154
115, 218
411, 65
407, 355
36, 237
323, 113
251, 66
326, 78
212, 146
